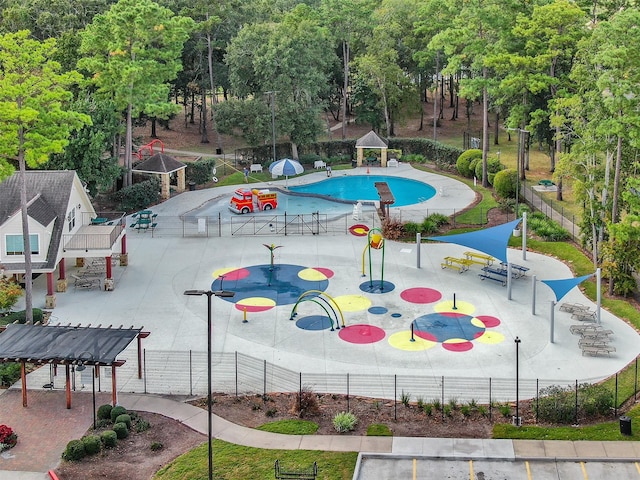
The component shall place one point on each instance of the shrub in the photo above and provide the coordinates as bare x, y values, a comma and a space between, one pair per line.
121, 430
271, 412
92, 444
116, 412
309, 158
411, 228
104, 412
124, 418
439, 219
405, 398
10, 291
142, 425
428, 226
156, 446
493, 167
483, 410
138, 196
505, 410
427, 408
463, 164
453, 403
466, 410
344, 422
378, 430
437, 404
305, 403
504, 183
392, 228
74, 451
557, 404
109, 438
21, 317
8, 438
9, 374
201, 171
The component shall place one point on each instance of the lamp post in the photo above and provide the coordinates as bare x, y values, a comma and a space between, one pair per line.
81, 368
517, 342
209, 294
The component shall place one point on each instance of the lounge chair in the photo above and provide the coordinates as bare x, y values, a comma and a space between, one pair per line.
85, 282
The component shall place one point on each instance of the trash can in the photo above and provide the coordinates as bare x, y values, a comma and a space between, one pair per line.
354, 163
192, 186
218, 151
625, 425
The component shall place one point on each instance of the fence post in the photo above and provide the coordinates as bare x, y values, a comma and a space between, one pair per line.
236, 371
575, 412
442, 406
537, 398
395, 397
616, 398
348, 405
635, 382
264, 379
490, 402
300, 394
191, 372
144, 361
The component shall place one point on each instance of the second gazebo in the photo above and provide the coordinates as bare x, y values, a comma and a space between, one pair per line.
371, 140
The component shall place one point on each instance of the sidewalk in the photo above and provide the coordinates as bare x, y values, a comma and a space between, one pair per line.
36, 453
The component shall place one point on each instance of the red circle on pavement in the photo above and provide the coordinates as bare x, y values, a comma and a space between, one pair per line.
361, 333
421, 295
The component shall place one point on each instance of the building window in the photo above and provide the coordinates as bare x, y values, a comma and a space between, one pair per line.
15, 244
71, 219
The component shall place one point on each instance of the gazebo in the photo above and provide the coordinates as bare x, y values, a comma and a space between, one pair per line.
371, 140
164, 165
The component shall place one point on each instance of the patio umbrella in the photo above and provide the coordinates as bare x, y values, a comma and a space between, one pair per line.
286, 167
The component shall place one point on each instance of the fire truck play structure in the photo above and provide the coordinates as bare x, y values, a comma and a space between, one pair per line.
246, 201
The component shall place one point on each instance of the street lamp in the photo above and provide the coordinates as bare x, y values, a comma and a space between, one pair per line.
209, 294
517, 341
81, 368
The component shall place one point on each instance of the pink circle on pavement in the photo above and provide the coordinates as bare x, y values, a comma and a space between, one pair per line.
421, 295
237, 274
327, 272
489, 321
361, 333
457, 346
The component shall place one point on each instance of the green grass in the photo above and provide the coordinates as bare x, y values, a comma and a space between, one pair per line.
290, 427
379, 430
606, 431
235, 462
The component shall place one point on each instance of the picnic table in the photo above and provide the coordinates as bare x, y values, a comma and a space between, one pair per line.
144, 220
497, 275
459, 264
517, 271
479, 258
546, 183
99, 220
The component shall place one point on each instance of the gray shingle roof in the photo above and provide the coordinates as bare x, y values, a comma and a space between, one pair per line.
159, 163
48, 193
371, 140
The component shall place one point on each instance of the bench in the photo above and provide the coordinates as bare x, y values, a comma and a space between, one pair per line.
392, 163
255, 167
459, 264
85, 282
495, 275
584, 315
480, 258
572, 307
309, 474
597, 350
517, 271
318, 164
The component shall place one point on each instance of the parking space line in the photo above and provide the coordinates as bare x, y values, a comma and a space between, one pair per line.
415, 469
526, 464
584, 471
637, 467
471, 475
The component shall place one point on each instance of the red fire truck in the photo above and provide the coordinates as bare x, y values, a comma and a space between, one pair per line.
245, 200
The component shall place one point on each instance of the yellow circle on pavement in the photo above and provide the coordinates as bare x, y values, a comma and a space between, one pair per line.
490, 337
463, 308
352, 303
311, 275
402, 341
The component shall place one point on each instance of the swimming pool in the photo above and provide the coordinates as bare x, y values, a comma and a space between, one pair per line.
347, 189
361, 187
291, 204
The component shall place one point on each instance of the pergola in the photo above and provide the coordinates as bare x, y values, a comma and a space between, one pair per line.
68, 345
163, 165
373, 141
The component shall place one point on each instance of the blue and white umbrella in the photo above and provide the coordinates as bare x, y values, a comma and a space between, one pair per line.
286, 167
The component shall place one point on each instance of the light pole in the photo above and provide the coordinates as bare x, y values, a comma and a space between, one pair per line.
209, 294
517, 341
81, 368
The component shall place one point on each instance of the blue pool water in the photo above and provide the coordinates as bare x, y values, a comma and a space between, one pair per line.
361, 187
348, 188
